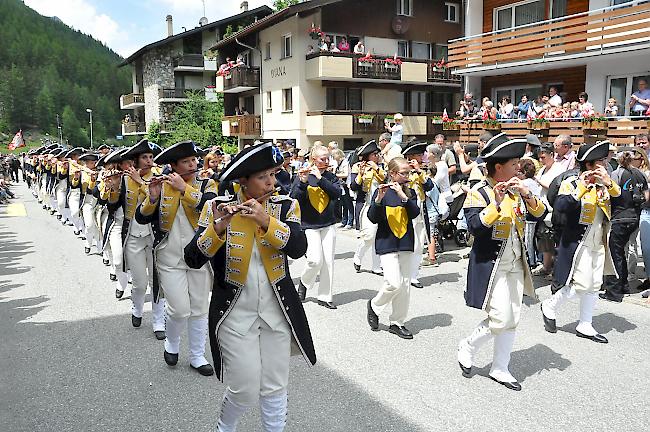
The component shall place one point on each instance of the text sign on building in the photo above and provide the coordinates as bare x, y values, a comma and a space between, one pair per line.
279, 71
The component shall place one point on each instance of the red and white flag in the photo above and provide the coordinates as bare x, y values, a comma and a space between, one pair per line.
445, 116
531, 114
486, 114
17, 142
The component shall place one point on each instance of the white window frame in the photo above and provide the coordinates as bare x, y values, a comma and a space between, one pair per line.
448, 6
628, 89
269, 101
400, 7
286, 109
267, 51
512, 13
284, 53
513, 90
408, 48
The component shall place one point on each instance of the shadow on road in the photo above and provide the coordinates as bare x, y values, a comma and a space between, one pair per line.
12, 251
428, 322
604, 323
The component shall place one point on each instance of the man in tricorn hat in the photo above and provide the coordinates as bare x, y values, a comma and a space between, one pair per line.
498, 275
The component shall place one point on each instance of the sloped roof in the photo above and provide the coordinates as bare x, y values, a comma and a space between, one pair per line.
262, 10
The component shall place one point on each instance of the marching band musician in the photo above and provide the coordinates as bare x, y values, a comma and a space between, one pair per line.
318, 192
109, 195
61, 188
421, 183
255, 313
101, 214
367, 180
74, 190
583, 255
394, 207
51, 178
137, 239
88, 183
498, 275
172, 206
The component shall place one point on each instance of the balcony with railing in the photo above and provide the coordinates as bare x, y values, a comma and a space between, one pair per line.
329, 66
189, 63
176, 94
238, 79
241, 126
331, 122
131, 101
618, 130
616, 29
134, 128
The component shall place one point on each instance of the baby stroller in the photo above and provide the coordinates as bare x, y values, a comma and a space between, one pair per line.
453, 226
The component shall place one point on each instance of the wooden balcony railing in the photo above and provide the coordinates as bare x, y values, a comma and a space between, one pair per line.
189, 60
597, 31
442, 75
244, 125
177, 93
132, 98
372, 123
134, 127
242, 77
376, 70
619, 131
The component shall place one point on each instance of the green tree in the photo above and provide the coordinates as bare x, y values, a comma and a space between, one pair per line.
283, 4
153, 134
72, 130
44, 110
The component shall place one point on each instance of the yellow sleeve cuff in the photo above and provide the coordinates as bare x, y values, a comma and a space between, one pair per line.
74, 182
147, 208
209, 242
91, 184
614, 190
580, 191
191, 196
489, 215
538, 209
103, 191
277, 235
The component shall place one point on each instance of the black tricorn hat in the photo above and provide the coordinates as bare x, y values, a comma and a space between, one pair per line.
103, 146
418, 147
368, 148
593, 152
59, 152
75, 151
143, 146
251, 160
502, 147
89, 156
178, 151
115, 156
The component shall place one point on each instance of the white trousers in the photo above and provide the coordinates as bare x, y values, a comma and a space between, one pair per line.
320, 260
589, 269
419, 229
396, 287
256, 364
61, 190
504, 305
90, 224
74, 201
186, 290
115, 241
138, 253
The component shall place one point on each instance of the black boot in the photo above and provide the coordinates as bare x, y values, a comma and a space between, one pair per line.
302, 291
373, 318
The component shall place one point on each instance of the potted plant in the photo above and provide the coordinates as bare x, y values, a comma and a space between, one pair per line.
539, 124
439, 65
315, 32
450, 125
491, 125
594, 122
436, 120
365, 118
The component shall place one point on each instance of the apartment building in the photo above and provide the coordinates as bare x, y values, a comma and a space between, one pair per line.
165, 70
521, 47
290, 89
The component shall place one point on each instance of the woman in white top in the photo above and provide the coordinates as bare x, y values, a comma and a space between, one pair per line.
506, 108
441, 178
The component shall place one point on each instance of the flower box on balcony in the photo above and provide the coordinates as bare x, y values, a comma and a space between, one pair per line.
365, 119
539, 125
492, 125
594, 123
450, 126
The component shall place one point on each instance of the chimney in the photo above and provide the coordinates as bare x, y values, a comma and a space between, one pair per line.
243, 7
170, 26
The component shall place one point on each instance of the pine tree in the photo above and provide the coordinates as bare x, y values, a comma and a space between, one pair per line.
72, 131
45, 111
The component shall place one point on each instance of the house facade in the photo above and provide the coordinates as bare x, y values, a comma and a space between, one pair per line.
290, 89
521, 47
164, 71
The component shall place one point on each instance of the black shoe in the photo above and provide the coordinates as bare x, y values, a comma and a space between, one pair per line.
87, 250
373, 319
44, 206
52, 213
171, 359
160, 334
59, 217
596, 338
205, 370
106, 262
76, 232
509, 385
417, 284
328, 305
64, 223
607, 296
135, 320
378, 273
112, 277
644, 285
118, 294
402, 331
83, 237
549, 324
357, 267
467, 371
302, 291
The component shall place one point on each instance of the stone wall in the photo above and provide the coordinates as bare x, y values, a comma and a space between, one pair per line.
157, 73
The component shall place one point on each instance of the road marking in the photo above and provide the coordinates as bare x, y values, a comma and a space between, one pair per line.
16, 210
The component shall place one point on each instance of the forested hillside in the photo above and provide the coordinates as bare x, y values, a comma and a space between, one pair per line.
47, 68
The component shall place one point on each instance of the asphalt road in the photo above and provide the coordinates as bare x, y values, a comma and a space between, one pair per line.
70, 360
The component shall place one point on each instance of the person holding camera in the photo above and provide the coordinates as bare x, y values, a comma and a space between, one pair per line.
626, 214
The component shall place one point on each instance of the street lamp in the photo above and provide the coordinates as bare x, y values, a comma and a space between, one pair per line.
90, 112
